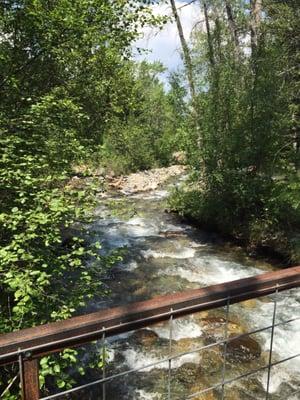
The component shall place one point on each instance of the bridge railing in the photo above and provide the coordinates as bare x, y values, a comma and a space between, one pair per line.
27, 346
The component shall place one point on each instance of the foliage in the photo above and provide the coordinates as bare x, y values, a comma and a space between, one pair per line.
62, 66
148, 130
248, 157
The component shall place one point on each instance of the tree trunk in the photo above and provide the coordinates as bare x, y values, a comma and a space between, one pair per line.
233, 29
209, 38
186, 52
255, 18
256, 7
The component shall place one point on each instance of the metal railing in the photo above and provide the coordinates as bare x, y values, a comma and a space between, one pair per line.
27, 346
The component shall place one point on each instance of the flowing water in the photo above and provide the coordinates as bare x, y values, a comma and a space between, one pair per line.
164, 255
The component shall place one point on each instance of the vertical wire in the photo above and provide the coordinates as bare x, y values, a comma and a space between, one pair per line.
225, 348
271, 343
103, 367
170, 352
21, 372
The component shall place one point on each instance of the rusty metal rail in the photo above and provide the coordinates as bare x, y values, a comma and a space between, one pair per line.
28, 345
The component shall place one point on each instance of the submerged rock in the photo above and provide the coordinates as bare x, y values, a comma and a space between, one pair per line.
170, 234
250, 304
211, 360
185, 345
186, 374
145, 337
232, 394
215, 326
203, 396
243, 349
191, 377
142, 291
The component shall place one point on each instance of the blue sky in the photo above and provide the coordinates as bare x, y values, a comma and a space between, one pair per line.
165, 45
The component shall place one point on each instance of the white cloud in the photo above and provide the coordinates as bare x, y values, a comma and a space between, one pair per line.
164, 45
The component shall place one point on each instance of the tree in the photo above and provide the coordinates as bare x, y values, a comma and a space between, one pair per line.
256, 9
249, 123
62, 75
209, 38
140, 137
185, 50
233, 27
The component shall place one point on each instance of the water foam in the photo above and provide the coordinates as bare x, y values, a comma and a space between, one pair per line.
131, 266
119, 234
153, 195
286, 341
216, 270
197, 245
137, 227
181, 329
210, 270
136, 359
142, 395
183, 253
107, 221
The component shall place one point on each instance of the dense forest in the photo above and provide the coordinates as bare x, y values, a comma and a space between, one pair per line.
73, 98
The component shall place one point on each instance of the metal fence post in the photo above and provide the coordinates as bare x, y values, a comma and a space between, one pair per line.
103, 366
225, 348
170, 353
271, 344
29, 376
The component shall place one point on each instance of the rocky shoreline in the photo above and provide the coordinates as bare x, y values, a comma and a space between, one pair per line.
144, 181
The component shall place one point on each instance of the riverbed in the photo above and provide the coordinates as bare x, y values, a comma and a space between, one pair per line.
163, 255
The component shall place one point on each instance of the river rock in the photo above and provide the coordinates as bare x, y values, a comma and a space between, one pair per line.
232, 394
145, 337
250, 304
142, 291
201, 315
243, 349
198, 387
184, 345
186, 374
211, 360
179, 157
117, 183
215, 326
148, 180
170, 234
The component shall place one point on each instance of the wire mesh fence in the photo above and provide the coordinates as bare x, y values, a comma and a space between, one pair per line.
224, 343
224, 338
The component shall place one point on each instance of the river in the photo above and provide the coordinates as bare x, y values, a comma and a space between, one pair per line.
164, 255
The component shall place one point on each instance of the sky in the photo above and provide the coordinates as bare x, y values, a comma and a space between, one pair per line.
164, 45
